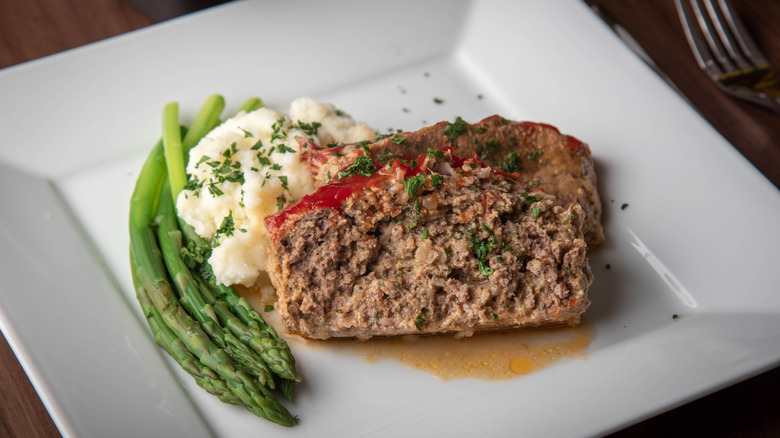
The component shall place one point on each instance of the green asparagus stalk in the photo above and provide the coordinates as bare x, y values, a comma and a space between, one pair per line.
149, 268
251, 104
250, 327
170, 244
165, 338
174, 152
206, 119
254, 331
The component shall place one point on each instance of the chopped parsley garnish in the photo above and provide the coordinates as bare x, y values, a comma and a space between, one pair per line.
529, 199
482, 248
536, 154
280, 201
269, 308
495, 317
309, 128
226, 228
214, 190
536, 212
247, 134
454, 130
414, 183
438, 100
511, 164
283, 148
436, 180
624, 206
398, 139
366, 150
424, 234
420, 320
193, 183
278, 133
258, 144
202, 160
283, 179
361, 166
438, 153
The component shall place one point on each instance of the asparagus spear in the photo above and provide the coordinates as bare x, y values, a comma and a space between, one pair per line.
254, 331
165, 338
170, 243
150, 271
250, 327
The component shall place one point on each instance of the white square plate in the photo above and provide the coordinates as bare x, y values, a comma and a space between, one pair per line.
76, 127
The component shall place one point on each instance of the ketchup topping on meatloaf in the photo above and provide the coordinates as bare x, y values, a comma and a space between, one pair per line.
537, 152
432, 244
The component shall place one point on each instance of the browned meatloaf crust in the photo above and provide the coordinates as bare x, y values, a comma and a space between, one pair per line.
560, 164
432, 245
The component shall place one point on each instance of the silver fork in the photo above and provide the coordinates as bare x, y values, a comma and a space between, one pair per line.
727, 54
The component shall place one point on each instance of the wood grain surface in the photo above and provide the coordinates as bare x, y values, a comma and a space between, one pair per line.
30, 29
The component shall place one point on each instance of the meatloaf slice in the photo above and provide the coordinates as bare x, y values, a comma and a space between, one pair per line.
436, 244
537, 152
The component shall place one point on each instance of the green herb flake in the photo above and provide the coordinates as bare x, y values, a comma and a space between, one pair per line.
362, 166
269, 308
398, 139
438, 153
424, 234
536, 212
283, 148
438, 101
511, 164
414, 183
529, 199
436, 180
536, 154
481, 249
309, 128
624, 206
366, 150
420, 320
283, 179
247, 134
214, 190
202, 160
454, 130
278, 133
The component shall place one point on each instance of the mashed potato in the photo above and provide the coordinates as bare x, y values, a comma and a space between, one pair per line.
249, 167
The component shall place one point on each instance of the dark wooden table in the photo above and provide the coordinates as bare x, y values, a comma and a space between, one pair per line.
31, 29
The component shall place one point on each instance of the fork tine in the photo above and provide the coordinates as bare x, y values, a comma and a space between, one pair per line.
726, 39
699, 46
742, 36
712, 40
